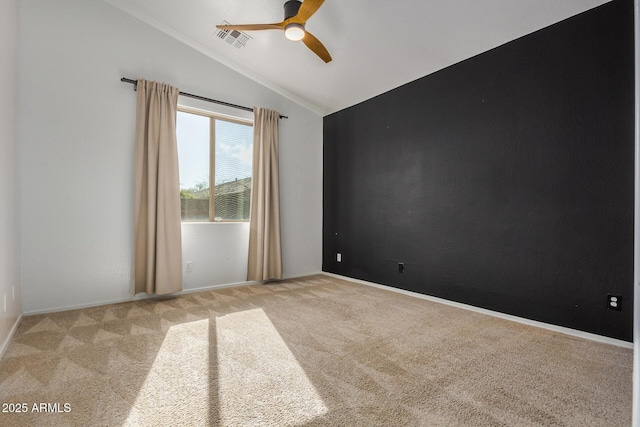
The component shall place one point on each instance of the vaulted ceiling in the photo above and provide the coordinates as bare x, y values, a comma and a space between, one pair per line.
376, 45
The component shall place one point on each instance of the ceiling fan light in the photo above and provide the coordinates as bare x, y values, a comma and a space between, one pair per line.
294, 31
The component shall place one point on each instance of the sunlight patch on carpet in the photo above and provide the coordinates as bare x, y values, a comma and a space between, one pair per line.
176, 389
260, 381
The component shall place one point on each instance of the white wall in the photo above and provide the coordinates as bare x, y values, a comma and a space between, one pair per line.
9, 174
77, 125
636, 246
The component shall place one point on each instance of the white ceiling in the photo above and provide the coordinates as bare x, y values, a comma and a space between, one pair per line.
376, 45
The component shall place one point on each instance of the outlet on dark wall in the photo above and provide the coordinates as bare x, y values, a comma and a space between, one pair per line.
504, 181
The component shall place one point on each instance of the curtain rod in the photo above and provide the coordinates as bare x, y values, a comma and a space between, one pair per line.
201, 98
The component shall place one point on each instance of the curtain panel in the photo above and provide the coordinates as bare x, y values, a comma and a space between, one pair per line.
158, 241
265, 254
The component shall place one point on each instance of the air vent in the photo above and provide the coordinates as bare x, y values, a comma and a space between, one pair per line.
235, 38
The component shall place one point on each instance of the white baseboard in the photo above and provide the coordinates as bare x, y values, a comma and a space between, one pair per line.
7, 340
88, 305
555, 328
144, 296
561, 329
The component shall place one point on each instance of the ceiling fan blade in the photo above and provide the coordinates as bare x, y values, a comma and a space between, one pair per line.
318, 48
307, 8
252, 27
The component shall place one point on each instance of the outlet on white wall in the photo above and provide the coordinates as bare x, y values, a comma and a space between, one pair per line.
189, 266
5, 303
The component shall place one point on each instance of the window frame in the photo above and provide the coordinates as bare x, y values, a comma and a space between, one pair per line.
212, 158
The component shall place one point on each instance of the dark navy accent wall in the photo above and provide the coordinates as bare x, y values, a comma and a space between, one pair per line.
504, 181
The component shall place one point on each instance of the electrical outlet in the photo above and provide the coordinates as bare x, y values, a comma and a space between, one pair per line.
614, 302
189, 266
401, 267
5, 302
13, 293
339, 257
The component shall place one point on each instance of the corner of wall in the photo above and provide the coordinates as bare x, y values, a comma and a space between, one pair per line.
10, 260
636, 260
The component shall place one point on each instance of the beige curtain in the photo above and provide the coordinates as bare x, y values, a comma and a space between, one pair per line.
265, 257
158, 242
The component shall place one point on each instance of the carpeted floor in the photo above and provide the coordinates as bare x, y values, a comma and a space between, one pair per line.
308, 352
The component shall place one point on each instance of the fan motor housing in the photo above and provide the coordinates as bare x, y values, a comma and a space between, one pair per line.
291, 8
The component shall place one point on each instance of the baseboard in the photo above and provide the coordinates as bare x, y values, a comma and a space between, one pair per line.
231, 285
88, 305
555, 328
548, 326
144, 296
7, 340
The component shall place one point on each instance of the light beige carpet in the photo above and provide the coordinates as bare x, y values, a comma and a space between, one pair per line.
309, 352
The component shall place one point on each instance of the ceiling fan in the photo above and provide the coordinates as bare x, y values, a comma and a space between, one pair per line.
296, 14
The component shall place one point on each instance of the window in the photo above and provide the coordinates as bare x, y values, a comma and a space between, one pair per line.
215, 157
